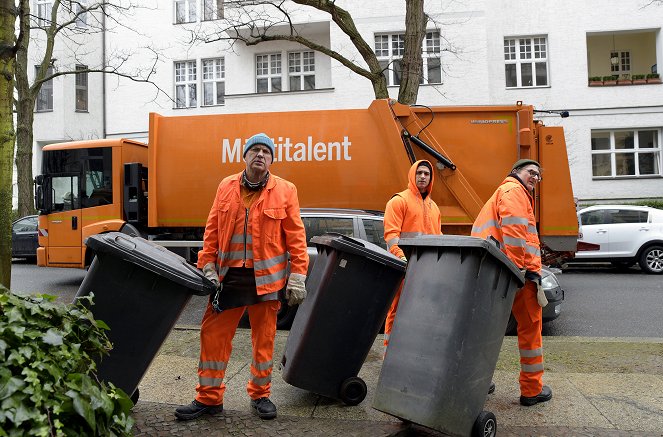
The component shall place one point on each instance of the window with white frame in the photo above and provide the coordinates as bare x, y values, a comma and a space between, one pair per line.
626, 153
214, 85
301, 71
81, 88
623, 65
185, 84
212, 10
45, 96
80, 13
390, 48
43, 8
526, 62
185, 11
268, 73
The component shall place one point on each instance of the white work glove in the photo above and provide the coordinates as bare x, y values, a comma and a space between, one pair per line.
210, 273
541, 296
295, 291
404, 258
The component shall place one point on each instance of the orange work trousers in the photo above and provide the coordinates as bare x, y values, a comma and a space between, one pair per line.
216, 334
391, 315
528, 314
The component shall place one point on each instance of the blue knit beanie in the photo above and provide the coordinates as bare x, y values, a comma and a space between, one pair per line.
259, 139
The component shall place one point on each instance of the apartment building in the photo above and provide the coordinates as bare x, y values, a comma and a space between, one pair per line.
475, 53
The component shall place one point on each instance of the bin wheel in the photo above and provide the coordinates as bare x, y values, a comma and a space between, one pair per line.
353, 391
485, 425
134, 396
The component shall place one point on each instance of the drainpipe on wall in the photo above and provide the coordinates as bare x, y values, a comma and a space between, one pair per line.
103, 75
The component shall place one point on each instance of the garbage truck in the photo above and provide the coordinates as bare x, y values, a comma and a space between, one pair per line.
344, 158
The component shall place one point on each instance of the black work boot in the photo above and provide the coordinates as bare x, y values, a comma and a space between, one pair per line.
196, 409
544, 396
264, 407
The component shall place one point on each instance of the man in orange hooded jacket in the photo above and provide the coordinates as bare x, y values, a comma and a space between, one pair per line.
253, 226
508, 217
408, 214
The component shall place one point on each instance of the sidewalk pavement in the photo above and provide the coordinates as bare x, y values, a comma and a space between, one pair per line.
601, 387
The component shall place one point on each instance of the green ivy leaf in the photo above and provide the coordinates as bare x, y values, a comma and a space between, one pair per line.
83, 408
53, 337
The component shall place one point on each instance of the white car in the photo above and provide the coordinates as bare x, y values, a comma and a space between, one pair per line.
623, 235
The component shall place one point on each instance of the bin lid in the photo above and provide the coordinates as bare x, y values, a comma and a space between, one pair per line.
360, 247
152, 257
463, 241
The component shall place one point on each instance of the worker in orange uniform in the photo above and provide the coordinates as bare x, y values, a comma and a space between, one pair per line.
508, 216
408, 214
253, 225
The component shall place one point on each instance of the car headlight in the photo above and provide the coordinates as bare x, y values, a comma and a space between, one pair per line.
549, 282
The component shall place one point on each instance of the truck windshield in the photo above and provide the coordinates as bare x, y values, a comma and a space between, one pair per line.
81, 178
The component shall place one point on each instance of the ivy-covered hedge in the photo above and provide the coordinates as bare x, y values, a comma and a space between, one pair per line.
48, 384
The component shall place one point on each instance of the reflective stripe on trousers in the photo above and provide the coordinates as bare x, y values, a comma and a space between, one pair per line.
528, 314
216, 334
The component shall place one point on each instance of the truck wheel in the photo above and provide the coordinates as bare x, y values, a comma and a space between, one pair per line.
485, 425
651, 260
353, 391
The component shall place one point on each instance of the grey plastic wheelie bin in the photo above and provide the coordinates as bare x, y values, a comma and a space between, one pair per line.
350, 289
140, 290
446, 339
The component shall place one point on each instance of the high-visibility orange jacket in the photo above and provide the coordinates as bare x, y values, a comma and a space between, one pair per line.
408, 214
276, 229
509, 217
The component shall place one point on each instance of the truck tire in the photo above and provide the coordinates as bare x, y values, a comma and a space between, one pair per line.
651, 260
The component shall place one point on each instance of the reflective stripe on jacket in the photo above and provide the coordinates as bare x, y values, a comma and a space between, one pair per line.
408, 214
276, 230
508, 216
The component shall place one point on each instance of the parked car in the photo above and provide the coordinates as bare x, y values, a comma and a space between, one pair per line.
622, 235
24, 237
368, 225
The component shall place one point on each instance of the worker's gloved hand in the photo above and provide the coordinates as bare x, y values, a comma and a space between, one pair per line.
295, 291
523, 271
404, 258
541, 295
210, 273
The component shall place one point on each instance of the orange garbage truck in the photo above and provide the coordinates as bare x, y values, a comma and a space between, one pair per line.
350, 158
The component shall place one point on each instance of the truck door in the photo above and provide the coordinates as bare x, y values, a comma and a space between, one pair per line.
65, 221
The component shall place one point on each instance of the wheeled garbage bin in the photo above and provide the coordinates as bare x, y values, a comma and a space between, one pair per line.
350, 289
448, 332
140, 290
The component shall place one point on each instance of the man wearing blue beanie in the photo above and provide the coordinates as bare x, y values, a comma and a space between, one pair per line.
252, 229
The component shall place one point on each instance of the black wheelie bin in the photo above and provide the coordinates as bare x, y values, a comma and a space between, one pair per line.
140, 290
448, 333
350, 290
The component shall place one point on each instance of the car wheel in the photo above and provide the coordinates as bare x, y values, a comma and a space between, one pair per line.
511, 326
651, 260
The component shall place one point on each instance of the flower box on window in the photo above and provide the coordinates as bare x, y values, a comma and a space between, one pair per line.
639, 79
653, 78
595, 81
610, 80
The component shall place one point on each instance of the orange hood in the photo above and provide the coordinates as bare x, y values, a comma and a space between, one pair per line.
412, 178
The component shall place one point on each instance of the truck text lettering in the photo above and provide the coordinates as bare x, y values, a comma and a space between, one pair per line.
286, 150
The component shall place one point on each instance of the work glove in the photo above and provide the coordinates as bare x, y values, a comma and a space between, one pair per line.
210, 273
295, 291
404, 258
541, 296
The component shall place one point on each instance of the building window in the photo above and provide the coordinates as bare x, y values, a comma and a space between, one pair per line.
81, 88
626, 153
268, 73
185, 84
390, 48
80, 13
623, 65
44, 8
526, 62
45, 96
301, 71
212, 10
214, 86
185, 11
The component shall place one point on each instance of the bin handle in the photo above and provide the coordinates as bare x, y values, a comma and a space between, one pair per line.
346, 239
123, 241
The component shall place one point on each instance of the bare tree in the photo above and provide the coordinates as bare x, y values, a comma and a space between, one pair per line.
61, 29
254, 21
8, 14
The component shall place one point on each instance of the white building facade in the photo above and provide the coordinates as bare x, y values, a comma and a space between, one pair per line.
475, 53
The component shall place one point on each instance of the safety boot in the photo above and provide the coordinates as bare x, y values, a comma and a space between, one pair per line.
544, 396
196, 409
264, 407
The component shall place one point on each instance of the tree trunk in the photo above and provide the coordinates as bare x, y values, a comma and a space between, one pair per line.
7, 65
412, 65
